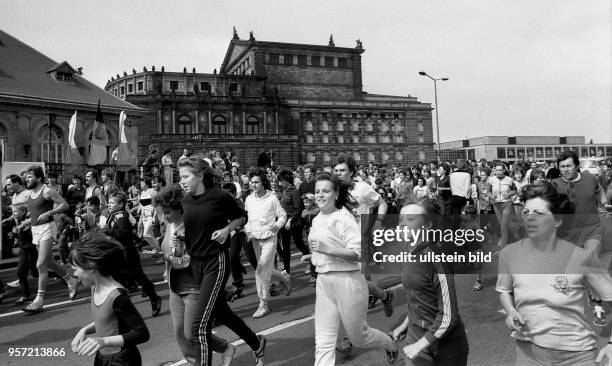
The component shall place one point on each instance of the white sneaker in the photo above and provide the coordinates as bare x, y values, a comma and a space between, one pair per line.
286, 282
14, 284
262, 311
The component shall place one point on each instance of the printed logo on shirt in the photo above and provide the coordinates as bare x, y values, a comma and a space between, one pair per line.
561, 285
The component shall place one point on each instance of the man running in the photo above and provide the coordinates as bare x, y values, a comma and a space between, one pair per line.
40, 203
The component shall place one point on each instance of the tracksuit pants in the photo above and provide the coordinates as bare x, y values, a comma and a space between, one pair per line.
265, 250
342, 298
211, 274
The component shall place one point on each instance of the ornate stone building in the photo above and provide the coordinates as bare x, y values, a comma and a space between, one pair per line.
38, 96
304, 103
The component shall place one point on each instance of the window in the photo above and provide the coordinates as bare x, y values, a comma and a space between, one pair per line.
329, 61
309, 139
130, 88
342, 62
274, 58
369, 127
121, 90
371, 139
355, 139
173, 85
324, 115
325, 139
340, 139
167, 124
219, 125
233, 87
204, 86
396, 115
368, 115
253, 125
421, 139
302, 60
315, 60
324, 126
399, 139
339, 115
339, 126
356, 156
420, 126
355, 126
326, 157
140, 86
353, 115
288, 59
308, 126
63, 76
184, 124
50, 150
310, 157
382, 115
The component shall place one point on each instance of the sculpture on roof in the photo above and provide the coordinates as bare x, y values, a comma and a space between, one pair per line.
331, 41
251, 38
359, 44
235, 35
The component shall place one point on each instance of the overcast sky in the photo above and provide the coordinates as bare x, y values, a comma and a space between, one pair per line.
516, 67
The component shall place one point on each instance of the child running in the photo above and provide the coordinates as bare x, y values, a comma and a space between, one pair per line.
117, 325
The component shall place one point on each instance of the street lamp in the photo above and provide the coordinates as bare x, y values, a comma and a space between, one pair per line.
423, 73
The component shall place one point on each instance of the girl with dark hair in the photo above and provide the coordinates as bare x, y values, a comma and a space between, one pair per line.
266, 218
209, 215
342, 291
433, 329
543, 270
117, 325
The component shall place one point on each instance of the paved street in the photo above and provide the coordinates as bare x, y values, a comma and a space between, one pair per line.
290, 328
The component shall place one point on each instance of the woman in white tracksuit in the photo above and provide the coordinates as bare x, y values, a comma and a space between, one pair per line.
266, 217
342, 291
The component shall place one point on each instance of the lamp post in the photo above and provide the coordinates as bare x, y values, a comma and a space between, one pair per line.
423, 73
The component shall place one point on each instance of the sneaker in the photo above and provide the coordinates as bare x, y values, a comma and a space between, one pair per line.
259, 354
393, 354
22, 300
272, 289
345, 347
372, 302
73, 286
14, 284
599, 316
312, 280
306, 258
228, 355
262, 311
156, 303
388, 303
477, 286
286, 282
35, 307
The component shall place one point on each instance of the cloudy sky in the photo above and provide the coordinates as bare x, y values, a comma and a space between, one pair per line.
518, 67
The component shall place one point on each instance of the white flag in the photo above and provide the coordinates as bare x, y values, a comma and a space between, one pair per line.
72, 130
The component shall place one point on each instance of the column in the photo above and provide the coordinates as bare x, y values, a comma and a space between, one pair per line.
159, 120
244, 130
276, 120
173, 121
210, 121
197, 121
265, 122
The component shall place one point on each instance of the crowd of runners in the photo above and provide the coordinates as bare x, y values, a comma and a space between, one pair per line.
548, 222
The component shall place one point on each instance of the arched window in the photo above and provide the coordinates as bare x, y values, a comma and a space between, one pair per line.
371, 157
219, 125
340, 126
369, 127
356, 156
3, 133
340, 139
324, 126
308, 126
309, 139
310, 157
50, 150
326, 157
325, 139
184, 124
355, 126
253, 125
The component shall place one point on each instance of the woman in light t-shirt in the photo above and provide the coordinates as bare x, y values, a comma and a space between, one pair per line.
543, 283
501, 189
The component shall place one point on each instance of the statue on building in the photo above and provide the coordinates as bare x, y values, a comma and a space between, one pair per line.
331, 41
359, 44
235, 35
251, 38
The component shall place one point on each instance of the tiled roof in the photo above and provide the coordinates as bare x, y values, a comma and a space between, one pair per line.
26, 74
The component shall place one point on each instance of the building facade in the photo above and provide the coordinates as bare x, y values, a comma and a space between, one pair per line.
38, 97
303, 103
512, 148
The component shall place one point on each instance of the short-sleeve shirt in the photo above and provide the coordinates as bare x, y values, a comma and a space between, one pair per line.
499, 187
549, 293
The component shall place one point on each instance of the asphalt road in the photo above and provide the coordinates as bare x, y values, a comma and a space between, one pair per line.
289, 329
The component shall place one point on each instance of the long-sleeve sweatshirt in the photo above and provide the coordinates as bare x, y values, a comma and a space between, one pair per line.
338, 229
264, 212
432, 300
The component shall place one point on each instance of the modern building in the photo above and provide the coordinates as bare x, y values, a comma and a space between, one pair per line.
38, 96
301, 102
512, 148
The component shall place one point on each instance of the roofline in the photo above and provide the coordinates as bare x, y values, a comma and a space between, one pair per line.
250, 44
67, 104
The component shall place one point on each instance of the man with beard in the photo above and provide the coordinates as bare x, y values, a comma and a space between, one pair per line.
40, 204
